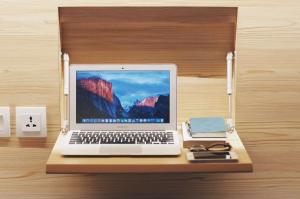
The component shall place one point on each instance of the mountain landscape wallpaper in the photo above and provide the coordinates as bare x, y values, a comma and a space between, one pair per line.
125, 95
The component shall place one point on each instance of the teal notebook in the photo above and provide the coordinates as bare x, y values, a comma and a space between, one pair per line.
208, 127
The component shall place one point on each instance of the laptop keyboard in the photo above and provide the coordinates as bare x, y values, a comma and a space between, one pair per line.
120, 137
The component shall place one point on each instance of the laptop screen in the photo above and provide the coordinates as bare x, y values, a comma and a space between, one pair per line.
123, 96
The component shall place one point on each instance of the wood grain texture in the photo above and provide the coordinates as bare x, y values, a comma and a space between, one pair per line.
267, 106
29, 63
195, 38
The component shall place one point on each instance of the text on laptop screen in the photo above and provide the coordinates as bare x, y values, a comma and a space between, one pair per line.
123, 96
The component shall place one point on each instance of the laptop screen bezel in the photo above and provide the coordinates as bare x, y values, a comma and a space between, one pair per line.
172, 125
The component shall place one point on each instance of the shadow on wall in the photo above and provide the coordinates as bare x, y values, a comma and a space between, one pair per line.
150, 186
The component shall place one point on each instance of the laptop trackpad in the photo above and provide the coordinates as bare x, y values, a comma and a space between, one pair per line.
120, 150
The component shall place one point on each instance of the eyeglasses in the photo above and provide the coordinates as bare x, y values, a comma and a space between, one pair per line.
213, 147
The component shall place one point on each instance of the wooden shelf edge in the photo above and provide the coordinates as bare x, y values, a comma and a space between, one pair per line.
196, 168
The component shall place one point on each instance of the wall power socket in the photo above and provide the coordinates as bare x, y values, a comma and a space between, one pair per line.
31, 121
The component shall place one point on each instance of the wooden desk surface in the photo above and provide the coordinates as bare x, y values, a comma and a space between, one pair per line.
194, 94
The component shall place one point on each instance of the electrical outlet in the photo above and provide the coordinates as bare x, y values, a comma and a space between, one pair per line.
4, 121
31, 122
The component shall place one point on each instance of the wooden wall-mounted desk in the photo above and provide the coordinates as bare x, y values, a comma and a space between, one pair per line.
196, 96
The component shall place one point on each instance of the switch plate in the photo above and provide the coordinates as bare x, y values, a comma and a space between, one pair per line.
4, 121
31, 121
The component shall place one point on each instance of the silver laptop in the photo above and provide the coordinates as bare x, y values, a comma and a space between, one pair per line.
122, 110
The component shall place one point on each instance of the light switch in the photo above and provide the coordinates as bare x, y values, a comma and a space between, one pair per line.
31, 122
4, 121
1, 122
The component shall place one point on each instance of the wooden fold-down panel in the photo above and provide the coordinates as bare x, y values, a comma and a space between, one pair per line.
195, 38
208, 101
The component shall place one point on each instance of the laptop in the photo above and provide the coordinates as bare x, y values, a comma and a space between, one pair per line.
117, 109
